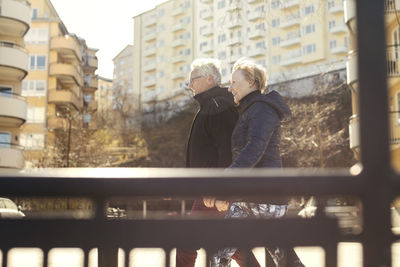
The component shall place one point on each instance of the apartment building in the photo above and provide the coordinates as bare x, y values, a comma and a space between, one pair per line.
60, 85
123, 69
164, 47
104, 94
392, 7
15, 18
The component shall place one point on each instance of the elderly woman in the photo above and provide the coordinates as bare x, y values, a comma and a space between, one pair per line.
255, 144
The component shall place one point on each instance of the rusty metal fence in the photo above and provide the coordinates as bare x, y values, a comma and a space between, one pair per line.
376, 186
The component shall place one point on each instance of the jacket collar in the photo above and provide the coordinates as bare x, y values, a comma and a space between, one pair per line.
247, 100
203, 97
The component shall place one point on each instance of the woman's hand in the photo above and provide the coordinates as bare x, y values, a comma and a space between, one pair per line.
222, 205
209, 202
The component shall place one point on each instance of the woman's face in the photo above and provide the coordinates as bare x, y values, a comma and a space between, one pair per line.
240, 87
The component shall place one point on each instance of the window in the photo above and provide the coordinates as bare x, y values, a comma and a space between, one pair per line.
308, 9
331, 24
33, 88
275, 22
275, 4
160, 74
260, 44
276, 59
221, 4
32, 141
276, 41
5, 90
5, 139
35, 115
37, 62
221, 38
331, 4
161, 12
332, 44
87, 98
261, 62
35, 13
309, 29
37, 36
87, 118
309, 49
222, 55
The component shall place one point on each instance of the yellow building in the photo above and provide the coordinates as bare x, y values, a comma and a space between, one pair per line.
60, 84
392, 7
103, 95
15, 18
293, 39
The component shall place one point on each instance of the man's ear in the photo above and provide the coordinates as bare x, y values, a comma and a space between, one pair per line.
210, 79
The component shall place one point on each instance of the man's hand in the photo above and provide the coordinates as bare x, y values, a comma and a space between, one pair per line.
222, 205
209, 201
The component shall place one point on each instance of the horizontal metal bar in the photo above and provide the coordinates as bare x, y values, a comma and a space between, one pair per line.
180, 182
210, 234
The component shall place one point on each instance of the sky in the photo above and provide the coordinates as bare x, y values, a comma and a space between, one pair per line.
105, 24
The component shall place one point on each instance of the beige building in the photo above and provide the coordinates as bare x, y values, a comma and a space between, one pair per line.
104, 94
123, 69
392, 7
293, 39
60, 85
15, 18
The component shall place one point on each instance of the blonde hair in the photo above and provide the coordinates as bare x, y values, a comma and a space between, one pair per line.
208, 66
252, 72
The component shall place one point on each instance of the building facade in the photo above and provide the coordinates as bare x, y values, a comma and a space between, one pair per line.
15, 18
294, 40
60, 85
392, 7
104, 94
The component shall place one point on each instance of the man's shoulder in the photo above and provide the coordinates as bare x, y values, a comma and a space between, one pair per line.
219, 103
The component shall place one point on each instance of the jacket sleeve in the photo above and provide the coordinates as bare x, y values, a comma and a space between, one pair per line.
220, 126
262, 121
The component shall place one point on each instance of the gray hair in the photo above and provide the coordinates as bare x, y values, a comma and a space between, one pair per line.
208, 66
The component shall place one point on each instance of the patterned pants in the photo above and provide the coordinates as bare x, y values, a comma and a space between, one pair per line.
223, 257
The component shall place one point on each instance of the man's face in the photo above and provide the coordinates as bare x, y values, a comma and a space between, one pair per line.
200, 83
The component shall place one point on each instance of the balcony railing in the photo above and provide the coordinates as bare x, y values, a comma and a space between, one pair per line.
207, 13
15, 17
290, 21
177, 11
13, 108
392, 5
235, 40
392, 61
14, 60
178, 27
57, 123
11, 156
338, 7
256, 14
64, 98
350, 14
207, 31
68, 73
394, 124
257, 33
290, 3
352, 70
66, 45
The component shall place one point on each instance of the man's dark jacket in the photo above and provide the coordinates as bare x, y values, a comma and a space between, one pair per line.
256, 137
209, 143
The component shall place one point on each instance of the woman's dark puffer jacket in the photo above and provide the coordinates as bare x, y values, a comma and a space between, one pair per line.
257, 134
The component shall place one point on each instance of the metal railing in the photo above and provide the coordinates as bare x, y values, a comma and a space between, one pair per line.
376, 185
394, 131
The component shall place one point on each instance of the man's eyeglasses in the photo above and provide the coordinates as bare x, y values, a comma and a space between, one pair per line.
194, 78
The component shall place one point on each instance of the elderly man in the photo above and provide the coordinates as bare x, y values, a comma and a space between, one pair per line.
209, 144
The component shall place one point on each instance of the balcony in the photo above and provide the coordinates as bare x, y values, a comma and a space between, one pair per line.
234, 6
235, 40
255, 15
207, 48
68, 74
15, 18
13, 110
290, 3
67, 47
11, 156
178, 27
92, 63
340, 49
354, 133
257, 33
150, 81
64, 98
337, 8
150, 36
150, 51
392, 61
234, 23
150, 21
394, 127
207, 14
338, 29
293, 40
206, 1
291, 21
13, 62
235, 56
253, 2
352, 70
292, 60
91, 84
207, 31
350, 15
178, 42
150, 66
257, 52
177, 11
178, 75
57, 123
178, 58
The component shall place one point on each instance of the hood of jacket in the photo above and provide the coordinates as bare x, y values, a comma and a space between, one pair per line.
216, 91
273, 98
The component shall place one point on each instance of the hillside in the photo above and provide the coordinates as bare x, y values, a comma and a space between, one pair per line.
316, 136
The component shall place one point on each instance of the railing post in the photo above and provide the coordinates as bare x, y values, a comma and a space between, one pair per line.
108, 257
